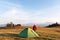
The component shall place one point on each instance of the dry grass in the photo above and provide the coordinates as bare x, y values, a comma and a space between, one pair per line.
44, 33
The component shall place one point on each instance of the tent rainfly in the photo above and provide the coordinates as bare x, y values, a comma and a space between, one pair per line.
28, 33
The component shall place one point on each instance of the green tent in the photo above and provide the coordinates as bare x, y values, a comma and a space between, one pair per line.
28, 33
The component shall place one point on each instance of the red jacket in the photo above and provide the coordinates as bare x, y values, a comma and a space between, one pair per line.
34, 28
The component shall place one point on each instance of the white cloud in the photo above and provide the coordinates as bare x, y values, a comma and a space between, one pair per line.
14, 13
17, 14
51, 14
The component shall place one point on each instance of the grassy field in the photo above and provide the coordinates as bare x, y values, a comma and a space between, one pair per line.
44, 33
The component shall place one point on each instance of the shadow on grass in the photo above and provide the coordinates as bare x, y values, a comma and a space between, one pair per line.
17, 37
10, 35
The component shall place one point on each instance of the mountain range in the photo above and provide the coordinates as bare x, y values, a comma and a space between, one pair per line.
31, 24
41, 24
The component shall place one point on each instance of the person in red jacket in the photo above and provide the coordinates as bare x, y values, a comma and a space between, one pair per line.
34, 28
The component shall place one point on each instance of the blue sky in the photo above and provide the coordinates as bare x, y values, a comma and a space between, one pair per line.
29, 11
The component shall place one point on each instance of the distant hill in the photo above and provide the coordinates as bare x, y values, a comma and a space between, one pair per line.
41, 24
53, 25
31, 24
3, 25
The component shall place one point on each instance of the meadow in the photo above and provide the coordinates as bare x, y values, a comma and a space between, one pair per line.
44, 34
